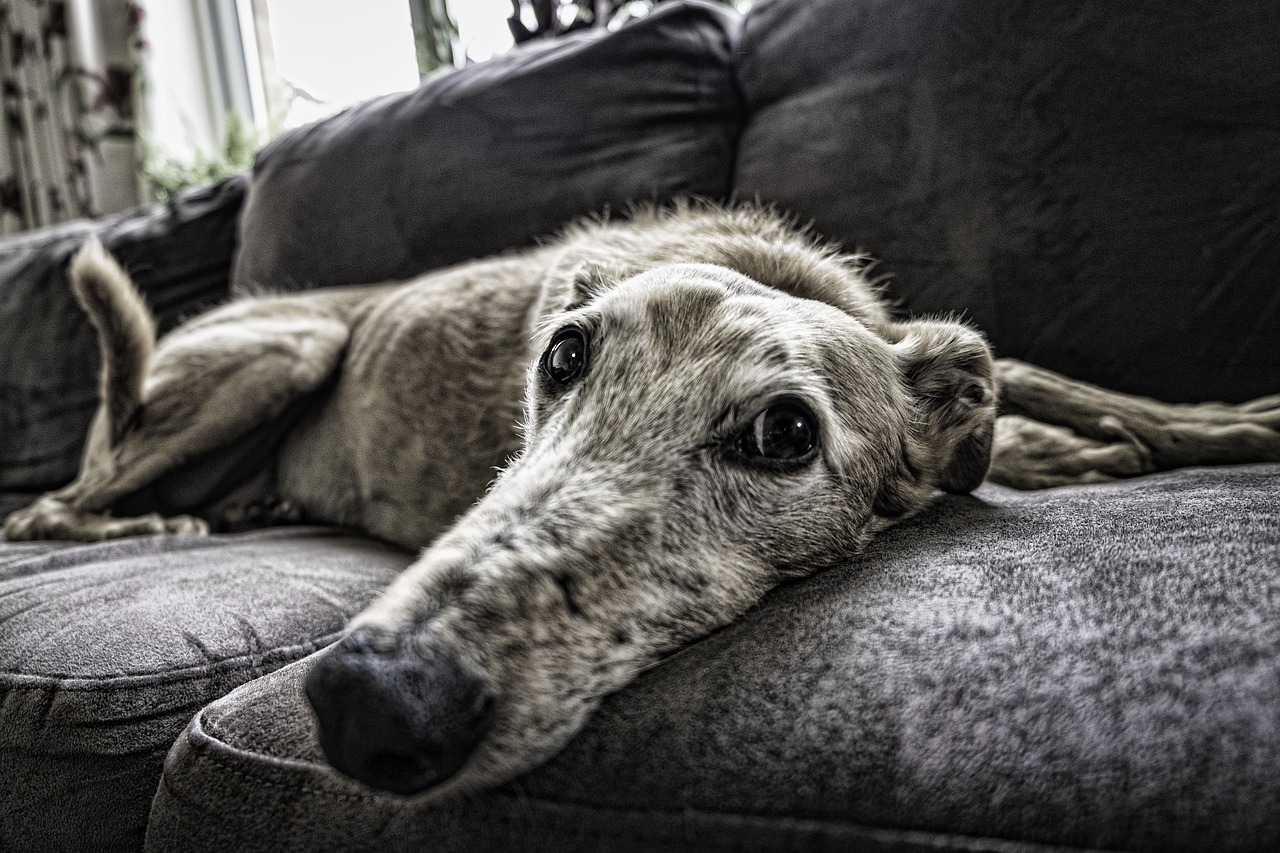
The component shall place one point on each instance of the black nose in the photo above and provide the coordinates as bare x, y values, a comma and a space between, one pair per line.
396, 720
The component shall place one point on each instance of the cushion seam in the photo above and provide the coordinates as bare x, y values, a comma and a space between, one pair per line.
121, 682
208, 748
207, 752
546, 818
184, 544
919, 836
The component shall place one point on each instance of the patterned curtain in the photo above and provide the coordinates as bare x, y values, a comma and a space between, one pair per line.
68, 145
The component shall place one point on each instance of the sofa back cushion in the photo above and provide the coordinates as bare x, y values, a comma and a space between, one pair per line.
1094, 184
179, 256
491, 156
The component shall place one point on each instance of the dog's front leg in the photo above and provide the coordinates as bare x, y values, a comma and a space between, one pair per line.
1056, 430
1028, 454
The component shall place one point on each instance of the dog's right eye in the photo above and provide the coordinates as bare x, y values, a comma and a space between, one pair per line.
566, 359
784, 434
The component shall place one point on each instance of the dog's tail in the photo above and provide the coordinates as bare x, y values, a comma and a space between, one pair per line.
126, 331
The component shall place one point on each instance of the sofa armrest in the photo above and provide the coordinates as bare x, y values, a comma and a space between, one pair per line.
179, 255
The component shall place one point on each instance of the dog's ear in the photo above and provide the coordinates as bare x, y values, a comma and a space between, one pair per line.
569, 287
591, 278
947, 368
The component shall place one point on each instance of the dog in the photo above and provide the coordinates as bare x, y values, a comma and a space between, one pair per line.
684, 409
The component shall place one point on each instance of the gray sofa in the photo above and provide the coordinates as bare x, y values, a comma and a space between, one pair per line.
1095, 185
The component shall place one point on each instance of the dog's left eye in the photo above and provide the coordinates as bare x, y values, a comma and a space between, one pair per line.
566, 359
786, 432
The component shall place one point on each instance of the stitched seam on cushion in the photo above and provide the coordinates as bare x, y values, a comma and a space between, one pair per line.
223, 755
205, 737
38, 245
577, 829
226, 765
549, 819
114, 683
208, 748
185, 545
900, 833
571, 828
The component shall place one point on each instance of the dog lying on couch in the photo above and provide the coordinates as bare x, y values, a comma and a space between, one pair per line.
686, 409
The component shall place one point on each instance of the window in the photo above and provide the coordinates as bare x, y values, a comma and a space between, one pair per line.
318, 57
215, 67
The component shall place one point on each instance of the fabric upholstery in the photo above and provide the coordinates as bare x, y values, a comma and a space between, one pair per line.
1088, 667
1093, 184
486, 158
107, 650
179, 256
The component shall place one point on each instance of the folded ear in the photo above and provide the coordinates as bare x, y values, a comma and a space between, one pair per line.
567, 287
591, 278
947, 367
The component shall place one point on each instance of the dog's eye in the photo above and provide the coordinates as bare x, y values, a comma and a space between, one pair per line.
785, 432
566, 359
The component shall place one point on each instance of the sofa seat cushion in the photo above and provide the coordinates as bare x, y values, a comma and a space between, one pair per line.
107, 650
1091, 666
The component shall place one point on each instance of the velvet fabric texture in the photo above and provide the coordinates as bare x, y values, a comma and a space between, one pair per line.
1093, 184
179, 256
489, 157
107, 650
1083, 667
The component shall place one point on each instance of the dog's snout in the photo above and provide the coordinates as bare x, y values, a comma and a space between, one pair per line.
396, 720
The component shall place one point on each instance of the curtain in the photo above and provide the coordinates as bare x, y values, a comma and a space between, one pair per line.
68, 145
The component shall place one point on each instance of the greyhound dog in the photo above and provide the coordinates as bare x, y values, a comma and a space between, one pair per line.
684, 409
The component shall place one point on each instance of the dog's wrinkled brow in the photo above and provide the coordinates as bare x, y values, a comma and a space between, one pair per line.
587, 319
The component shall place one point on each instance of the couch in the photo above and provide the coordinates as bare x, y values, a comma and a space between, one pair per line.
1094, 185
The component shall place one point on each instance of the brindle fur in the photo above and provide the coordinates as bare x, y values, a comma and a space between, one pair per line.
617, 528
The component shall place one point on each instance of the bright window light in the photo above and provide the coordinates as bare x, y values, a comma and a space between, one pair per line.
482, 28
331, 54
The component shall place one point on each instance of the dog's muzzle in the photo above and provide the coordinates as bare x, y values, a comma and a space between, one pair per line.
396, 720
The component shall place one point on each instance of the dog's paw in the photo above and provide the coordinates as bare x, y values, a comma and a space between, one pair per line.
186, 525
106, 527
1267, 408
1032, 455
22, 525
50, 518
1216, 433
47, 518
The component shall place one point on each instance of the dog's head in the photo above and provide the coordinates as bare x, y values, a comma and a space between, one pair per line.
691, 438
